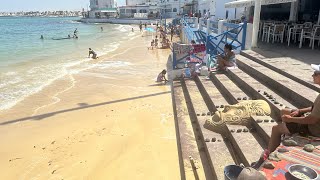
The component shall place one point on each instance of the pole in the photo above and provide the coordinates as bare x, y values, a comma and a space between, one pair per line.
256, 21
319, 18
165, 16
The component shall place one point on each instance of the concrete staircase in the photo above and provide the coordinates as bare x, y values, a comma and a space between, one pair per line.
195, 100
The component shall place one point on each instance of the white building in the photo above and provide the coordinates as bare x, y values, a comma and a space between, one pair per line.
102, 9
217, 9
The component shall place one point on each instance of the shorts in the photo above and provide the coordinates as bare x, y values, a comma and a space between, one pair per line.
294, 128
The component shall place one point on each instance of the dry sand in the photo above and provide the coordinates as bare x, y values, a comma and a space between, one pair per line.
102, 123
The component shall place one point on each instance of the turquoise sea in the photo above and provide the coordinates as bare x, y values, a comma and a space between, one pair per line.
28, 63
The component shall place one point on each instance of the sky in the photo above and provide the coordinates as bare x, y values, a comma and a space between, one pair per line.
45, 5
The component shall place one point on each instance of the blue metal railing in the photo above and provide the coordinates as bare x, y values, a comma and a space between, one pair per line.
215, 42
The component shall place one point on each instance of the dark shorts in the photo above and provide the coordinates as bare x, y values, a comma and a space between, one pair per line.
294, 128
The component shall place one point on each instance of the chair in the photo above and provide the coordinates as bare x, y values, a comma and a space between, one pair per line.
266, 31
277, 32
314, 35
297, 31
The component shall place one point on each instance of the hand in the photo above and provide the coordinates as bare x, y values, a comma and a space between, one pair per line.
286, 118
295, 113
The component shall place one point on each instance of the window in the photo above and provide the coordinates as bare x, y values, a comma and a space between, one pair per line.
174, 10
122, 11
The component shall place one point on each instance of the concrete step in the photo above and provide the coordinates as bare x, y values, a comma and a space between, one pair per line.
200, 106
298, 70
232, 93
256, 90
263, 126
219, 149
295, 93
248, 144
196, 105
186, 140
210, 93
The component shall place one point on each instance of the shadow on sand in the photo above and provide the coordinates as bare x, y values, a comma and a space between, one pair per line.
81, 106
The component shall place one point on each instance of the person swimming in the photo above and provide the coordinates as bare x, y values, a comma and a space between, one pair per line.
41, 37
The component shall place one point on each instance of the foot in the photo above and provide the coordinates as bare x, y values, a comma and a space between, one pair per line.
264, 156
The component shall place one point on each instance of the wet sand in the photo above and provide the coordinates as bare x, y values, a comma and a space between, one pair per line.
102, 123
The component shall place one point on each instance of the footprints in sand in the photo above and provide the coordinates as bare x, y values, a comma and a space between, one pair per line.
55, 158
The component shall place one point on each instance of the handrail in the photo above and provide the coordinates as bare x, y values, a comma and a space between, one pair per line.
214, 43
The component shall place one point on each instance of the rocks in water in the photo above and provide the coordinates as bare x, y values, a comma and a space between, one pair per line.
213, 139
207, 140
274, 157
308, 147
269, 165
289, 142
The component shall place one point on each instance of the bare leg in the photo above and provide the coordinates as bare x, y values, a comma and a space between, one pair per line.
275, 139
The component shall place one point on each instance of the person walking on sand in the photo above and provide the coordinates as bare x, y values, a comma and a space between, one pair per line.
41, 37
101, 29
162, 76
140, 26
94, 54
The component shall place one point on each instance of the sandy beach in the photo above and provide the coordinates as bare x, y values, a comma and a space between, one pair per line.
102, 123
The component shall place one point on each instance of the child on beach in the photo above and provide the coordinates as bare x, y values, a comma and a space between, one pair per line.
94, 54
162, 76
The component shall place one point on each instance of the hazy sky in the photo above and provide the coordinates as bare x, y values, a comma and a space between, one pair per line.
42, 5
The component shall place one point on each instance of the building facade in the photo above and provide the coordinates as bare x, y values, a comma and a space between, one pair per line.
102, 9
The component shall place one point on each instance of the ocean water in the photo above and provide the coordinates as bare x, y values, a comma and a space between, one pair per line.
28, 64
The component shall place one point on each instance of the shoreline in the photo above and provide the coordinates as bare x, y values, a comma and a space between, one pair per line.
66, 65
119, 107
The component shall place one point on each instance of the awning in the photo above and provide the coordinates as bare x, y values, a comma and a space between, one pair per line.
239, 4
106, 10
248, 3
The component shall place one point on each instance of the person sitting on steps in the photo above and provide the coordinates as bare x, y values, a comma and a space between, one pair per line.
305, 121
229, 60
